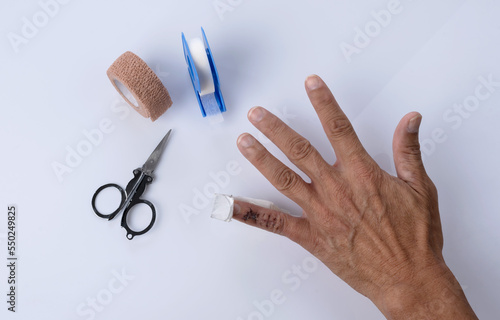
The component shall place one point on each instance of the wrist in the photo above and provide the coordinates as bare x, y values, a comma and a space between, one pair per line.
433, 294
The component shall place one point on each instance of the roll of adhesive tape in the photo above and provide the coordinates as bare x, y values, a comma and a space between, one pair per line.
139, 86
207, 86
200, 59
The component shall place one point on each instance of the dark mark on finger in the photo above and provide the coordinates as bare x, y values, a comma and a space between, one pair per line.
270, 223
251, 215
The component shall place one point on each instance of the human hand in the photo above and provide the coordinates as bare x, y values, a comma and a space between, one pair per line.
381, 234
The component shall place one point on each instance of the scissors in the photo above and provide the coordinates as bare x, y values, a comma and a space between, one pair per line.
131, 196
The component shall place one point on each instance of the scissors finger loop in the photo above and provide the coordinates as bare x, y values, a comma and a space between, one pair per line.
114, 213
132, 233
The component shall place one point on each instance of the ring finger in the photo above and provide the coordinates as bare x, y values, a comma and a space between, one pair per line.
281, 177
298, 149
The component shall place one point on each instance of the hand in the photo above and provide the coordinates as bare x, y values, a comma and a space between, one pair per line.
379, 233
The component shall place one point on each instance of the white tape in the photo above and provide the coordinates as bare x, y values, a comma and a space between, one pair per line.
200, 59
224, 206
207, 86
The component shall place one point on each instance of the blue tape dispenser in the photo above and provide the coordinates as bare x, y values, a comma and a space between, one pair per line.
204, 77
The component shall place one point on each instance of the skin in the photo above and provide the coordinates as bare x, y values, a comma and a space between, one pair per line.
379, 233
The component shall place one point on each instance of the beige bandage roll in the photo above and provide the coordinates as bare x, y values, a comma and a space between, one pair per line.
139, 86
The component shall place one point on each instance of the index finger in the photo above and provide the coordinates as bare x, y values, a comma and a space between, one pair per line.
337, 126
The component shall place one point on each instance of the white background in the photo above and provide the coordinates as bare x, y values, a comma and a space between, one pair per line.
428, 58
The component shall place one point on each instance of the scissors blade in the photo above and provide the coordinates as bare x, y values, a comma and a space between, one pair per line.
150, 165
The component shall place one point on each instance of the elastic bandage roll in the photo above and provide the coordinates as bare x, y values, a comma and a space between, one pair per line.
139, 86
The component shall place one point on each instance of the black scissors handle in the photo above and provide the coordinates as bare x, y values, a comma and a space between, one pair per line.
136, 188
129, 198
132, 233
120, 207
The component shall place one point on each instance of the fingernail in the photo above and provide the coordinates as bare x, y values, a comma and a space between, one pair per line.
236, 209
256, 114
414, 124
313, 82
246, 141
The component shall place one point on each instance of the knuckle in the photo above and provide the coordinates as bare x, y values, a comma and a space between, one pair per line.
340, 190
286, 180
412, 151
300, 149
260, 157
367, 172
271, 221
339, 128
325, 99
276, 127
268, 220
276, 223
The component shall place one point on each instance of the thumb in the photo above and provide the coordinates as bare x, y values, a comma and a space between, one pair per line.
406, 149
294, 228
